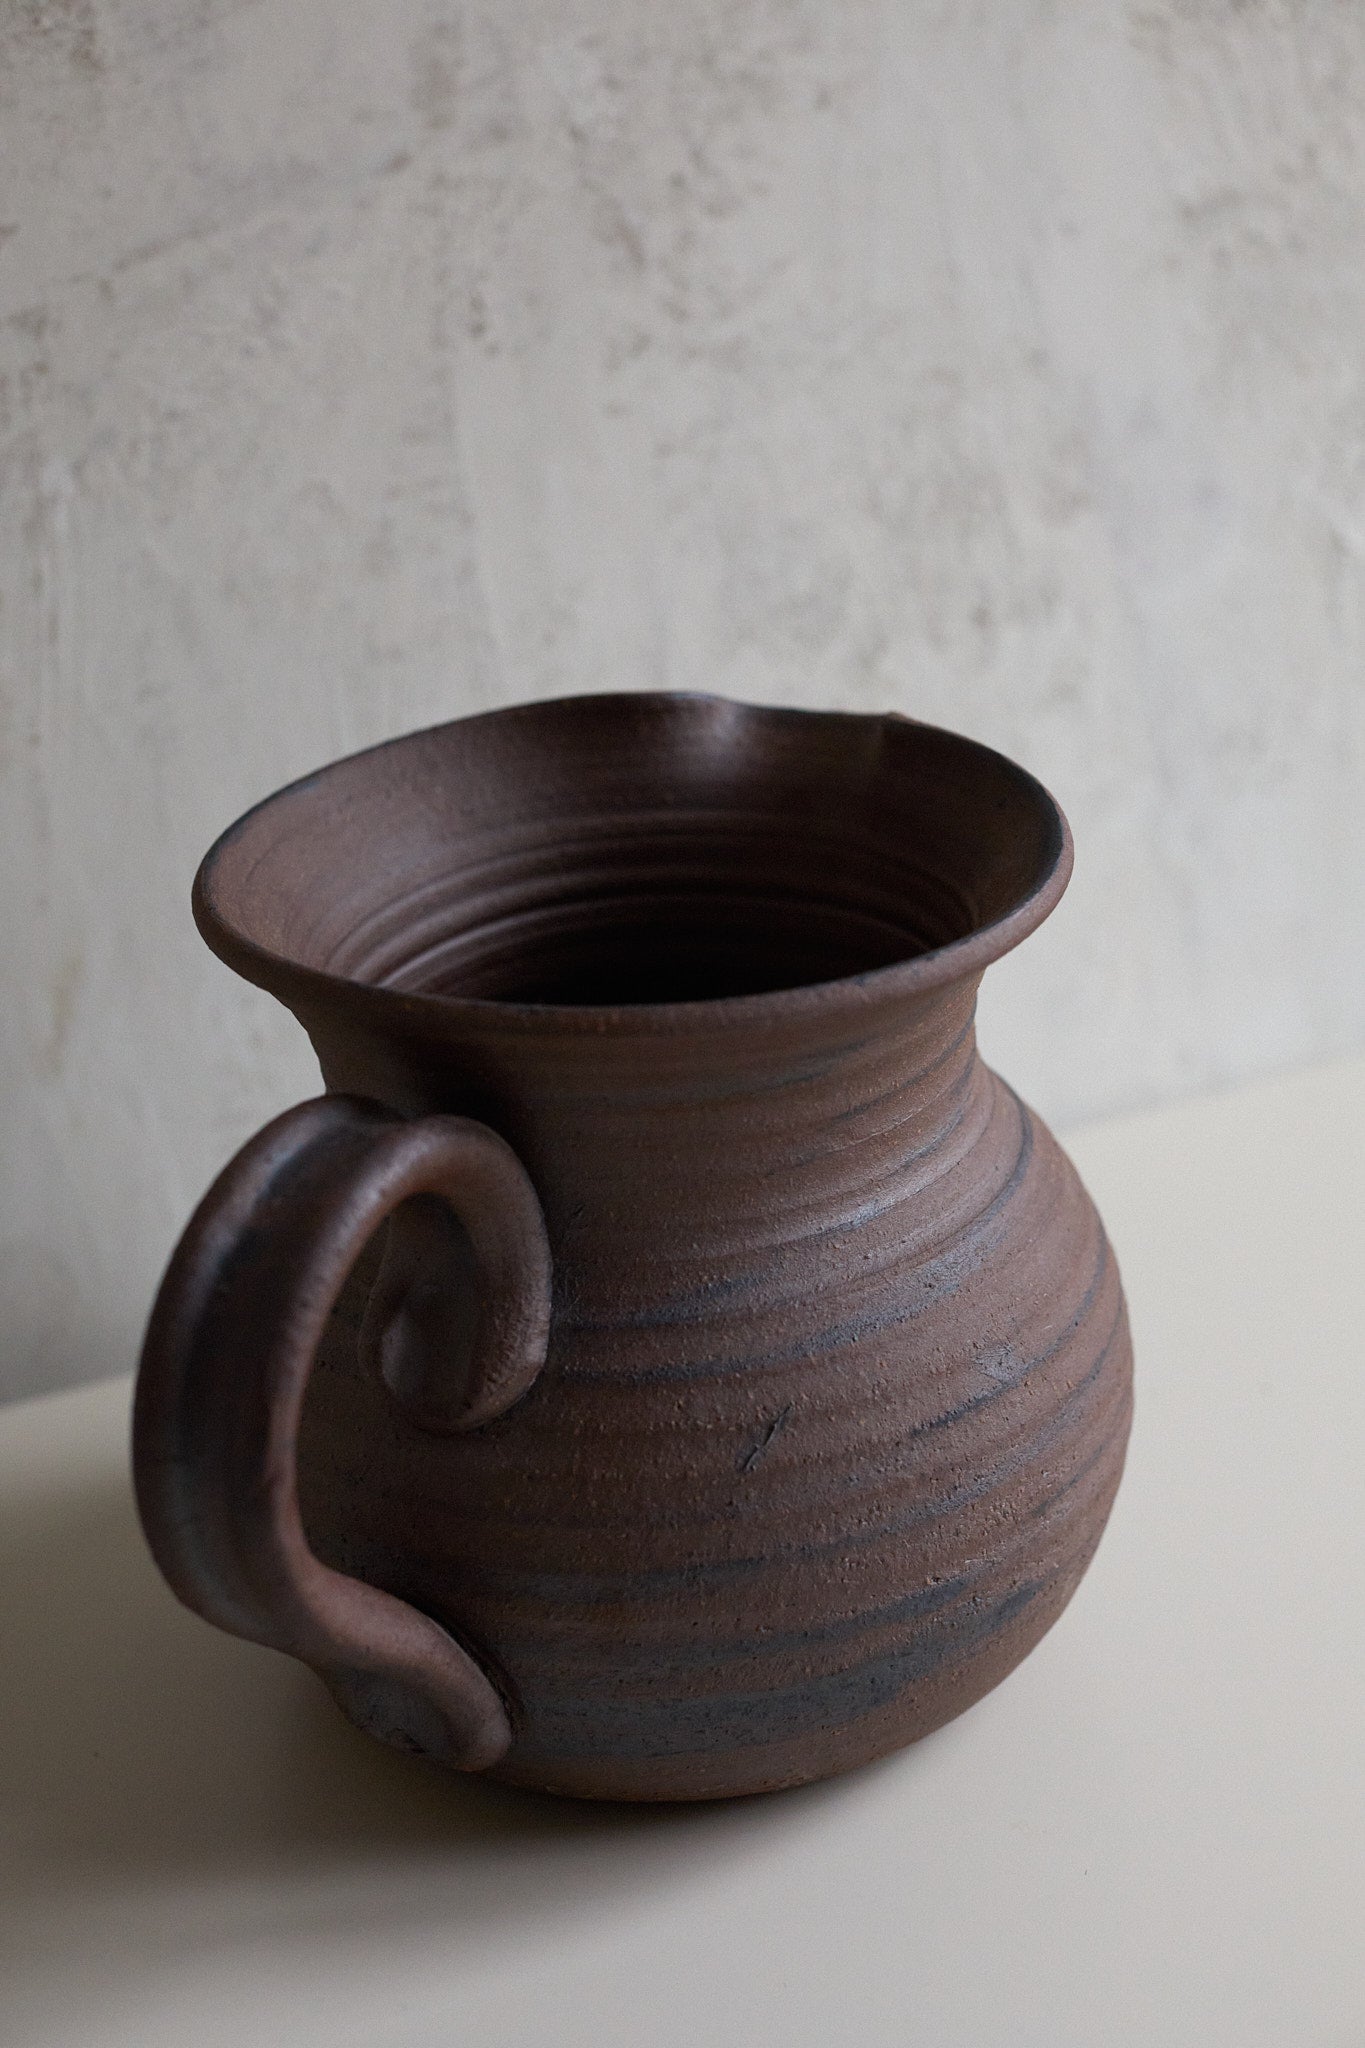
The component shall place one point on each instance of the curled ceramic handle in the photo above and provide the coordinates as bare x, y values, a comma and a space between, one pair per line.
225, 1364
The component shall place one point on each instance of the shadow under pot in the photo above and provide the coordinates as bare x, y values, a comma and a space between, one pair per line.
667, 1362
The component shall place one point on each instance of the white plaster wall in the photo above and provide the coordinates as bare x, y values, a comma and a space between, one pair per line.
1002, 361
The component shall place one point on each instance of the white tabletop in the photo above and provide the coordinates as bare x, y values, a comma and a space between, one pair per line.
1153, 1833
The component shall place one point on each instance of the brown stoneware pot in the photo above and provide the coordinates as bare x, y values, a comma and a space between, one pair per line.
666, 1362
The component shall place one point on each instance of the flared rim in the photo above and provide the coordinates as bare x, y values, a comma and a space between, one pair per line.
293, 980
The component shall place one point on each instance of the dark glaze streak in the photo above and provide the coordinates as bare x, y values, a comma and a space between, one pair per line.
1001, 1387
658, 1657
603, 1589
694, 1307
604, 1724
905, 1082
1116, 1435
931, 1281
952, 1106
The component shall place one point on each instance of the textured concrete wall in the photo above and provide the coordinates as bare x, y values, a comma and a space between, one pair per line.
999, 360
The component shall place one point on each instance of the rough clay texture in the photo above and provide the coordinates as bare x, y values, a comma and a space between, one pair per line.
360, 366
837, 1387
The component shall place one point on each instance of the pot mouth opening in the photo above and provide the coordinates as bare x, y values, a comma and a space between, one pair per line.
672, 910
640, 854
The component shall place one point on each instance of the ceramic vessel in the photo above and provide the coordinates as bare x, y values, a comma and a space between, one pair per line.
667, 1362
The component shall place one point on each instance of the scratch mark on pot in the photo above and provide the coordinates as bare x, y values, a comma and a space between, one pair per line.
766, 1441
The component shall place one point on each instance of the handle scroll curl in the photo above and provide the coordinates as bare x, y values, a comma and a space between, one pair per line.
225, 1366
